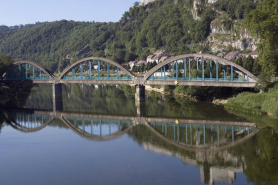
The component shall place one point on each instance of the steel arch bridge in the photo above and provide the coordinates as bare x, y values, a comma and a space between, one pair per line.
98, 70
27, 70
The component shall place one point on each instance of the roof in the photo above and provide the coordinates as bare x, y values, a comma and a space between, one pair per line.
150, 57
242, 55
164, 57
254, 53
231, 54
159, 52
222, 54
141, 62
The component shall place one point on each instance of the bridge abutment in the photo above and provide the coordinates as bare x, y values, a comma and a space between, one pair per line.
139, 93
57, 97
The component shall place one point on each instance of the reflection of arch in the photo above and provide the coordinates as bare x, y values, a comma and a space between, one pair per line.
46, 71
191, 148
24, 129
95, 137
206, 56
96, 58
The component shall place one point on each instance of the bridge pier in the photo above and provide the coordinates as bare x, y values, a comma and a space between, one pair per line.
140, 108
57, 97
140, 93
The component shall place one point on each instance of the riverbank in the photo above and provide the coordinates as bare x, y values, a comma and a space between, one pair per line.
233, 99
215, 95
257, 103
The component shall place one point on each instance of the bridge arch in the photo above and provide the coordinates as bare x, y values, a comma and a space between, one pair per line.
46, 71
220, 60
93, 137
95, 58
24, 129
201, 149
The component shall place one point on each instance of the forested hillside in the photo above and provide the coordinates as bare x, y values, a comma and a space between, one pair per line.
163, 24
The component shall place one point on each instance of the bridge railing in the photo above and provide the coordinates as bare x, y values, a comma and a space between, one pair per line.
199, 79
36, 78
96, 78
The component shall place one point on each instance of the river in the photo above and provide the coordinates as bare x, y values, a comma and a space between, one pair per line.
100, 135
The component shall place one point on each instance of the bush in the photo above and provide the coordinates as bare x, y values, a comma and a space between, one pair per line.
264, 103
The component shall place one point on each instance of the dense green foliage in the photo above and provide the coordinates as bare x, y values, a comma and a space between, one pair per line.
236, 9
4, 62
49, 43
263, 22
257, 103
250, 64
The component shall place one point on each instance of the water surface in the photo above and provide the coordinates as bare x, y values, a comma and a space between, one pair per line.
101, 136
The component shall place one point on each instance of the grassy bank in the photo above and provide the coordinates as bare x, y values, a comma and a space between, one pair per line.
264, 103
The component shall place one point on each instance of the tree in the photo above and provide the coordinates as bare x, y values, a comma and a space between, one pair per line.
256, 67
136, 3
248, 63
262, 83
263, 22
5, 61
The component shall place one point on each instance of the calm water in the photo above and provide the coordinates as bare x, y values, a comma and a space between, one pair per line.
101, 136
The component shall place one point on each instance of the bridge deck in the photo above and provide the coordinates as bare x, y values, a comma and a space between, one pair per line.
148, 82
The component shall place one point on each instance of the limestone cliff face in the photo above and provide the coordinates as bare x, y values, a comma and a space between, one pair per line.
217, 26
212, 1
237, 37
194, 11
225, 32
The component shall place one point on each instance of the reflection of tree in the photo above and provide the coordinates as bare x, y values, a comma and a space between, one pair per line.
177, 106
260, 120
260, 154
100, 99
18, 94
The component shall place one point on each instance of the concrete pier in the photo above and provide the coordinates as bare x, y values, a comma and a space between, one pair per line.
57, 97
140, 108
139, 93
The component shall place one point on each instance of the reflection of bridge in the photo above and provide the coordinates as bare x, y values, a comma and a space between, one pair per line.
108, 72
192, 135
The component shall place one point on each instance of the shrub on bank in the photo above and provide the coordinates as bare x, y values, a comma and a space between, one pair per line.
264, 103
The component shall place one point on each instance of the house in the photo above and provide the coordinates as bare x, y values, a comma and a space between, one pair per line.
131, 64
157, 56
139, 63
163, 58
232, 55
150, 58
222, 54
242, 55
254, 54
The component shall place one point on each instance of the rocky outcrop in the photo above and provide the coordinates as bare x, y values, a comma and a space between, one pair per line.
244, 44
212, 1
194, 11
238, 37
217, 26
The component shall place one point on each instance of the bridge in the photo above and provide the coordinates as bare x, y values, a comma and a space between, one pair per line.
196, 70
189, 134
